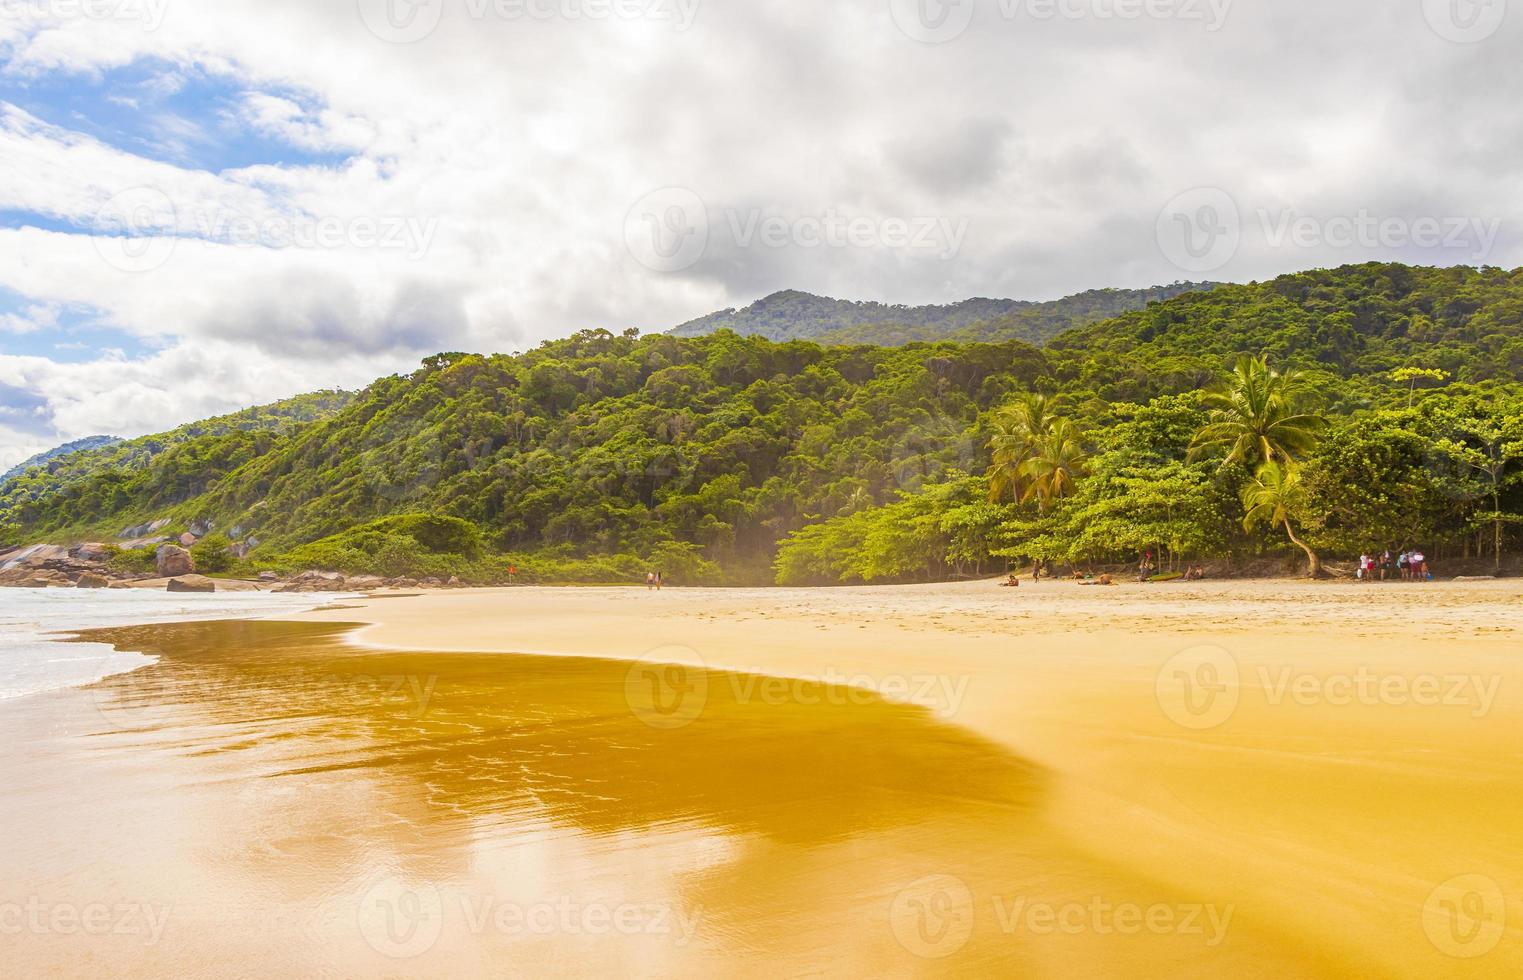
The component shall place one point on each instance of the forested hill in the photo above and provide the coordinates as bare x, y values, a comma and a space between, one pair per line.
59, 452
121, 476
590, 456
1355, 320
793, 315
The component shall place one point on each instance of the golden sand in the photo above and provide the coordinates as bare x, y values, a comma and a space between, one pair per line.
1192, 780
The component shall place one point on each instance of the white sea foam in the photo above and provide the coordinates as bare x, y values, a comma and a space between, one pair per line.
34, 660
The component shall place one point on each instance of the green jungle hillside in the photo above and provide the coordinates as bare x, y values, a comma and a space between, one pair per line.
793, 315
1380, 409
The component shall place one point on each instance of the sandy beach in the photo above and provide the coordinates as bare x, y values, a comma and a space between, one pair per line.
1246, 779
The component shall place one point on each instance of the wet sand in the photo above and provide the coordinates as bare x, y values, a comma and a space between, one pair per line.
1257, 779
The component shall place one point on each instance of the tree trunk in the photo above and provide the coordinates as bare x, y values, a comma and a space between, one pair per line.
1314, 564
1497, 530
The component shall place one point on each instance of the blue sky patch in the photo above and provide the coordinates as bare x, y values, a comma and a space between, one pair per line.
175, 114
77, 334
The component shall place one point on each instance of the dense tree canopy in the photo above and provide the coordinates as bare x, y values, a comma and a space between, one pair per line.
736, 459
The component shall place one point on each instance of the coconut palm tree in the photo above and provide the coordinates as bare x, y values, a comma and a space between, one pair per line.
1058, 461
1018, 429
1257, 416
1273, 497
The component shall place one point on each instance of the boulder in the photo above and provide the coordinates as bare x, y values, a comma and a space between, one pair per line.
90, 551
149, 584
93, 580
364, 583
122, 584
144, 530
188, 540
269, 577
41, 580
201, 527
454, 582
237, 585
34, 555
191, 583
315, 582
174, 562
138, 543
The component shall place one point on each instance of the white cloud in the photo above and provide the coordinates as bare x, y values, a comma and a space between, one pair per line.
517, 147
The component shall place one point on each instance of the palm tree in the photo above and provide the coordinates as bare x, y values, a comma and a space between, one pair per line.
1058, 461
1275, 494
1256, 415
1018, 429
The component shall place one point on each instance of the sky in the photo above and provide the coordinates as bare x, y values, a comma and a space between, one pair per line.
211, 204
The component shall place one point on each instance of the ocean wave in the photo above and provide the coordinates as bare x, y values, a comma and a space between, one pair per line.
34, 625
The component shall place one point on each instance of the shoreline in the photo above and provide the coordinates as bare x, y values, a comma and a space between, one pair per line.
1078, 773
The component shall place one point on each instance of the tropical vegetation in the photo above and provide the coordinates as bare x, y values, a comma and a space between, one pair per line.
1291, 423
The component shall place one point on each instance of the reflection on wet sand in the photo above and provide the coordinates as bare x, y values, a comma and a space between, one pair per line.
325, 808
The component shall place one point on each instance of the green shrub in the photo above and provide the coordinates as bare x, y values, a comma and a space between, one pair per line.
212, 554
138, 561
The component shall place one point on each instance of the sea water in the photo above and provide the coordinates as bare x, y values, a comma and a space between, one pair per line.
35, 623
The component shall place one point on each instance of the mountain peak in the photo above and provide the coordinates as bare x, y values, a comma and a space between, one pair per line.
792, 314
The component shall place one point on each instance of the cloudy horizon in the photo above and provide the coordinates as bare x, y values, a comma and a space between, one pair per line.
211, 205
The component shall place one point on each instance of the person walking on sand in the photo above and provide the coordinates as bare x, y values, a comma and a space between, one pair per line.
1419, 567
660, 580
650, 581
1402, 566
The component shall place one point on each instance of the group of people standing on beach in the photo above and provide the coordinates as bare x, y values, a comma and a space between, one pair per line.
1409, 566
